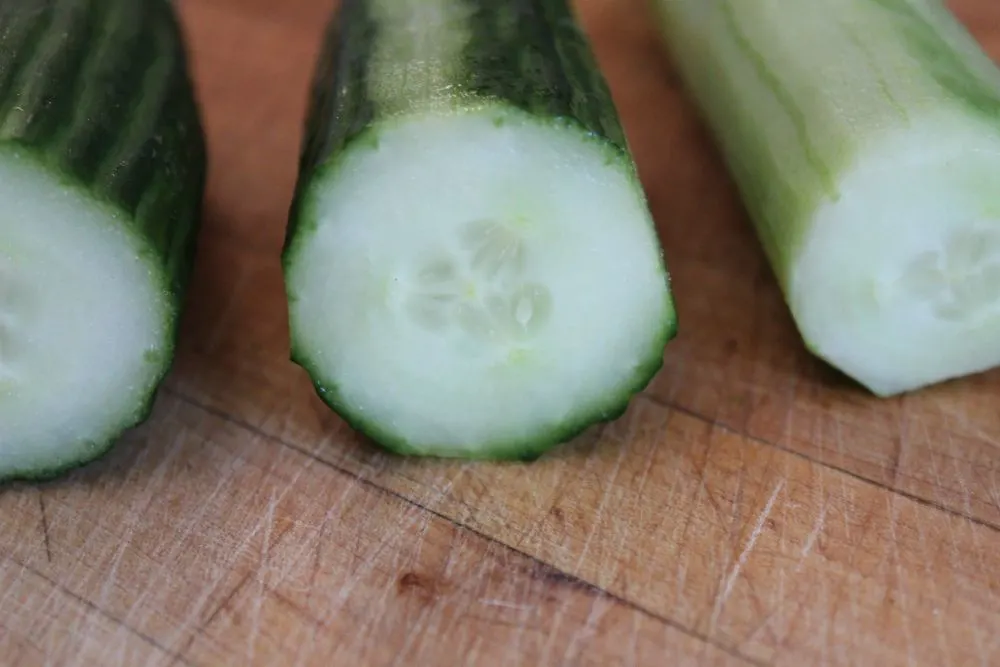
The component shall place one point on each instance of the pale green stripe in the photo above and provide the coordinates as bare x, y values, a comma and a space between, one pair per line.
417, 61
31, 82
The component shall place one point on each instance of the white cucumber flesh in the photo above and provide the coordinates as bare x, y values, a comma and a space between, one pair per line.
85, 319
898, 282
479, 288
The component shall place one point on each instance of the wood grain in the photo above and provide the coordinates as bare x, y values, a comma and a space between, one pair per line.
220, 547
751, 508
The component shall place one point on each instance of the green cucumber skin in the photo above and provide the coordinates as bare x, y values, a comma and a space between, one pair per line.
99, 93
109, 105
528, 56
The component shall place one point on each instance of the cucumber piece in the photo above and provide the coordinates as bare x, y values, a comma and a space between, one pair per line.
471, 266
102, 164
864, 137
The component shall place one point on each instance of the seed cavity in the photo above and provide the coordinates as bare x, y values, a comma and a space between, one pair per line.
437, 271
495, 249
961, 282
481, 289
476, 321
531, 308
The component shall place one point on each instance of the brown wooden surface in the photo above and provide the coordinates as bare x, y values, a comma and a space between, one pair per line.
750, 509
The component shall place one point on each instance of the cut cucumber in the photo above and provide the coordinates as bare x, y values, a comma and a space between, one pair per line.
864, 136
471, 266
102, 163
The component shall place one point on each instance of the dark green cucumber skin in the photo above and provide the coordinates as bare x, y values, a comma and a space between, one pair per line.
529, 55
99, 93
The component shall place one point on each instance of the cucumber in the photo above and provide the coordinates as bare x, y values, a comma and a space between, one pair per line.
102, 168
471, 267
864, 138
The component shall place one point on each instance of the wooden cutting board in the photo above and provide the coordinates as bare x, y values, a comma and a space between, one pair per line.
750, 509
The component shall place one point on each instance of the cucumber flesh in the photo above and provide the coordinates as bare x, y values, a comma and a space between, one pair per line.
471, 266
83, 316
102, 171
898, 281
475, 282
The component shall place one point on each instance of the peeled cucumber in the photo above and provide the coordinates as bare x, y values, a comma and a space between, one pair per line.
864, 137
471, 266
102, 164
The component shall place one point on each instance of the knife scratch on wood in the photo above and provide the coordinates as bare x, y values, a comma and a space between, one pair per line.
966, 492
925, 558
950, 526
133, 519
315, 547
700, 494
901, 583
599, 606
257, 599
598, 515
558, 620
734, 572
814, 534
195, 622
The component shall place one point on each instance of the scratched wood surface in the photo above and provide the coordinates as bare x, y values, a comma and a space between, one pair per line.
750, 509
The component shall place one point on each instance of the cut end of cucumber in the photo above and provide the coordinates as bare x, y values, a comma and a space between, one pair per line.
84, 323
898, 284
478, 285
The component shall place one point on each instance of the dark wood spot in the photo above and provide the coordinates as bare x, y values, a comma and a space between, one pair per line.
412, 583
